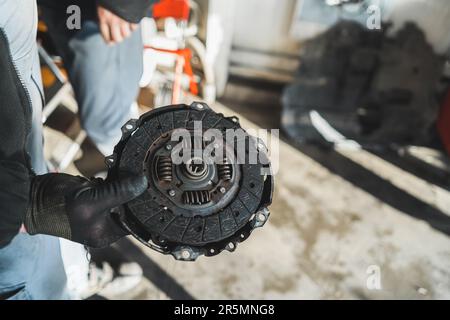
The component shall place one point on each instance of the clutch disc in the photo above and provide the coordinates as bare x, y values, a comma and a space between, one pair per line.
210, 183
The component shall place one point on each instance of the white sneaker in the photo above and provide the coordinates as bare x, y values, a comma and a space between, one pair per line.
98, 278
126, 283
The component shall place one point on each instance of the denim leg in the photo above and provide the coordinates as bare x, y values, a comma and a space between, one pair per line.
30, 266
106, 82
105, 78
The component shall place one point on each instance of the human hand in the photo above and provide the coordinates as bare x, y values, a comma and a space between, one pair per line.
113, 28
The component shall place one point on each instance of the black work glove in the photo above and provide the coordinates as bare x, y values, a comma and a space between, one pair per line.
79, 209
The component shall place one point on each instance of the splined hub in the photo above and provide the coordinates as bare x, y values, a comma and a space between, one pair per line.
196, 168
203, 195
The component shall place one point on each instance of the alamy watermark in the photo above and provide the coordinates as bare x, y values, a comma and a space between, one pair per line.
214, 146
73, 21
371, 9
373, 281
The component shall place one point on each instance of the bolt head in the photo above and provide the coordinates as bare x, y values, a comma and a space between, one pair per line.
185, 254
168, 147
172, 193
222, 190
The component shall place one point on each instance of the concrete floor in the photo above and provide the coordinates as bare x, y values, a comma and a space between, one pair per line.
335, 217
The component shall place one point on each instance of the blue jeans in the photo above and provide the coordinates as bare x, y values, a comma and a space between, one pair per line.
105, 78
30, 266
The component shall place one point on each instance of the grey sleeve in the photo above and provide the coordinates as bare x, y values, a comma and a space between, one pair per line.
15, 123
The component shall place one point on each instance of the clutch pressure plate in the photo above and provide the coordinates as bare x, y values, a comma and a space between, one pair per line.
209, 181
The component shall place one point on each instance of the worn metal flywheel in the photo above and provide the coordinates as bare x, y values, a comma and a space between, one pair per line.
195, 206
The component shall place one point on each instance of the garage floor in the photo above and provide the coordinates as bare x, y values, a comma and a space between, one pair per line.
340, 221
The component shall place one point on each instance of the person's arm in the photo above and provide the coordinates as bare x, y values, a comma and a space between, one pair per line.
56, 204
14, 190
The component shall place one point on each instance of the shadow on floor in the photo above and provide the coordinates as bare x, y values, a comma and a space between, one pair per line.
378, 187
152, 271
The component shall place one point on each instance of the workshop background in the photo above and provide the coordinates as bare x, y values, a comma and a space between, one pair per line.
359, 91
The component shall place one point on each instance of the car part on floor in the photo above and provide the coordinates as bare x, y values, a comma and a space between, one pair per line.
369, 87
196, 207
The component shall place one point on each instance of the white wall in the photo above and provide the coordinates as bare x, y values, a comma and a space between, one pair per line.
264, 25
433, 16
255, 36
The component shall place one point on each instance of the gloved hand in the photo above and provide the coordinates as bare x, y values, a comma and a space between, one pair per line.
79, 209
